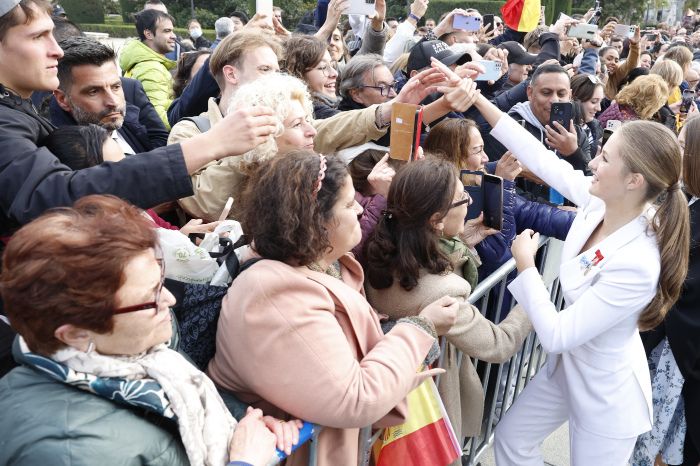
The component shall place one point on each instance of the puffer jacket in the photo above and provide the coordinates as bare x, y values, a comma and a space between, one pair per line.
47, 422
140, 62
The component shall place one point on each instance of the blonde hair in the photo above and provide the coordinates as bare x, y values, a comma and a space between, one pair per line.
645, 95
276, 91
670, 71
681, 55
652, 150
400, 63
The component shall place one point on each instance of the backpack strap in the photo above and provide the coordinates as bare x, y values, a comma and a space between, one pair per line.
203, 124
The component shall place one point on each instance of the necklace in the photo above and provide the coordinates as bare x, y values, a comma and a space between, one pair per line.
333, 270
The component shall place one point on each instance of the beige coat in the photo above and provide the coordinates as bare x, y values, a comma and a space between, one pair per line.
299, 343
473, 334
214, 183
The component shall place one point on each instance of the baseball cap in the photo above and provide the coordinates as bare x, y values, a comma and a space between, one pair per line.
421, 54
517, 53
58, 10
7, 5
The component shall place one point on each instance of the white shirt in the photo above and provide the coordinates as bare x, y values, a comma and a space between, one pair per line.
126, 148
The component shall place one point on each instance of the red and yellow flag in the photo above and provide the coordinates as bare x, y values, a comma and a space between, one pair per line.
521, 15
425, 439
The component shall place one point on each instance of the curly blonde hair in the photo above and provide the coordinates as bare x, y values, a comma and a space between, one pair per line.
670, 71
646, 95
276, 91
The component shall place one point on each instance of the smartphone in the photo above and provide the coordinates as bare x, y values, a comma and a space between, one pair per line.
360, 7
543, 20
651, 37
472, 182
613, 125
562, 113
466, 23
597, 13
582, 31
264, 7
607, 132
687, 102
489, 22
493, 70
406, 122
492, 188
227, 209
624, 30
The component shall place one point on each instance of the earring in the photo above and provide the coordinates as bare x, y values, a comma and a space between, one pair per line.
91, 347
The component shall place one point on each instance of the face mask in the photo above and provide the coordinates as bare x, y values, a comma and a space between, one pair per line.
195, 33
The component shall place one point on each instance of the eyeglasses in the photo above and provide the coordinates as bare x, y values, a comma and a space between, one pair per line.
385, 89
476, 151
466, 199
325, 69
149, 305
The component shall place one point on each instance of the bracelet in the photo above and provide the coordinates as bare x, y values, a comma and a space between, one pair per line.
411, 15
379, 118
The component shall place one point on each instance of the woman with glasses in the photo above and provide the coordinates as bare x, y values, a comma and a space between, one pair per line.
458, 141
296, 333
98, 383
307, 58
414, 256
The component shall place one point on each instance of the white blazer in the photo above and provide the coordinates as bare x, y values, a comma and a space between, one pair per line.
595, 338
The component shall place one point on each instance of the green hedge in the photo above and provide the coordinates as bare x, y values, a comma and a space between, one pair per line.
84, 11
129, 30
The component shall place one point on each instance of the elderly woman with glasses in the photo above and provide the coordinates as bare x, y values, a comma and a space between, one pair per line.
408, 267
98, 383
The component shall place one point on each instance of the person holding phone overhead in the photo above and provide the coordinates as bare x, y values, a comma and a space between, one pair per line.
623, 266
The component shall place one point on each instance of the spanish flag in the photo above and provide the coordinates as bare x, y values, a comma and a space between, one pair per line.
425, 439
521, 15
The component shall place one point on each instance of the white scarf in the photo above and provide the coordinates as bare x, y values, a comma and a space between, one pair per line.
205, 424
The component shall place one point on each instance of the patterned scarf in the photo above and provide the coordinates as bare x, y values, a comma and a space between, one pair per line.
160, 381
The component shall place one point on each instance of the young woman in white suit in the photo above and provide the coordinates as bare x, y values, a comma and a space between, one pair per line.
623, 265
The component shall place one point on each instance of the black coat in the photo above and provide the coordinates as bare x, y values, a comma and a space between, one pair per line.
143, 130
682, 325
32, 180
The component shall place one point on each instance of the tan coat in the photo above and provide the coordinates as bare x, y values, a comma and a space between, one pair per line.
214, 183
299, 343
473, 334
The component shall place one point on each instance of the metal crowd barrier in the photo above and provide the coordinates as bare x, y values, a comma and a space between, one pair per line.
517, 372
523, 365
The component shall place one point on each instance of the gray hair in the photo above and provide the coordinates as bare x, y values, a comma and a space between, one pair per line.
354, 72
223, 27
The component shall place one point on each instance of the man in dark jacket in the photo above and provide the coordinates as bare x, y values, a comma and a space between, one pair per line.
32, 178
550, 83
91, 91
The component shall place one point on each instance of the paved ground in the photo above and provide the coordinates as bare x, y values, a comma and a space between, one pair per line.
555, 449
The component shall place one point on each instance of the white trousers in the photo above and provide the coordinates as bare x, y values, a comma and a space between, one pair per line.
539, 410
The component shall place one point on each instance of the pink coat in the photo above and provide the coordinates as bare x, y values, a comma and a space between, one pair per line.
302, 344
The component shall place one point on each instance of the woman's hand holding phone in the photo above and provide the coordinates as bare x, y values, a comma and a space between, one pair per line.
475, 231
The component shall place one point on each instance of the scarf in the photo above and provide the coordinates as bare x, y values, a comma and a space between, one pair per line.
326, 100
460, 254
159, 380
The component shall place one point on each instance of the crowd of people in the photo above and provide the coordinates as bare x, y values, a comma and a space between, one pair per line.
352, 262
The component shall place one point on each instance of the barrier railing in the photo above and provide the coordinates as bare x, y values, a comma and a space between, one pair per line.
518, 371
503, 383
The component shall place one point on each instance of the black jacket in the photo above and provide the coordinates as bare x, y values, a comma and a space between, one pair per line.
33, 180
682, 327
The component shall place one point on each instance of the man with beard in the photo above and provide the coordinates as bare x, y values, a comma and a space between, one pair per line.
145, 59
91, 91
